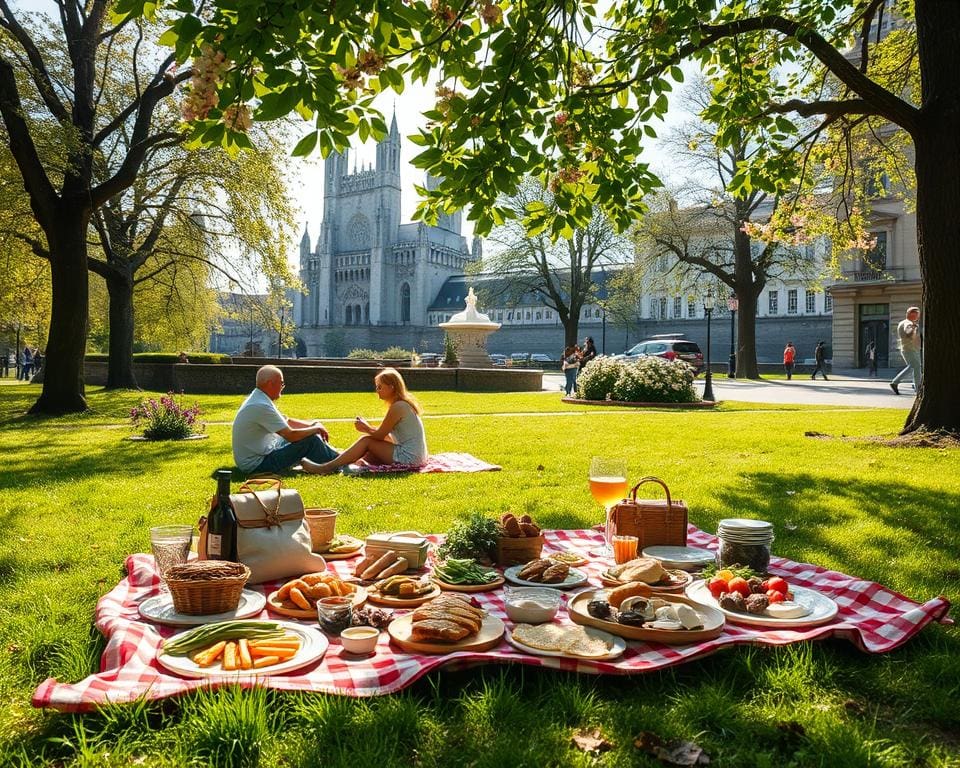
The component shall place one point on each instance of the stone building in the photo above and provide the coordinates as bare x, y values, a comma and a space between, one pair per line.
370, 277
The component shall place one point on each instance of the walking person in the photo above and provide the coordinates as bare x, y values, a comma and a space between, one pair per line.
570, 366
910, 341
588, 352
819, 355
789, 355
26, 364
871, 354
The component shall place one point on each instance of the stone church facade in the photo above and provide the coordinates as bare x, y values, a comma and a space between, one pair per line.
369, 277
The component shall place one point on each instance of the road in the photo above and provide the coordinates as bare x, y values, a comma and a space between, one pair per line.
841, 389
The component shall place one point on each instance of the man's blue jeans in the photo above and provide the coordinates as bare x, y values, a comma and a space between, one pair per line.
912, 358
286, 456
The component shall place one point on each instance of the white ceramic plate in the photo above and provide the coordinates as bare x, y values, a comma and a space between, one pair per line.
574, 579
618, 646
683, 558
159, 608
312, 647
822, 608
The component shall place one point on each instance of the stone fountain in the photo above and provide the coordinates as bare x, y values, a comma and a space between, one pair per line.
469, 330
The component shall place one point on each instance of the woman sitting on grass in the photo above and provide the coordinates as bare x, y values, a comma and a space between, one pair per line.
398, 440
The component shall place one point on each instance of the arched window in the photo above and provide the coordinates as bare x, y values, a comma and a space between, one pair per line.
357, 317
349, 315
405, 303
366, 313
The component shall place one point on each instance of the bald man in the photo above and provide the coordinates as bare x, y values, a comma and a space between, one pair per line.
264, 440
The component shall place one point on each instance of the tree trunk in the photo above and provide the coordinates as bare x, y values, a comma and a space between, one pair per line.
570, 330
747, 292
937, 144
120, 360
63, 376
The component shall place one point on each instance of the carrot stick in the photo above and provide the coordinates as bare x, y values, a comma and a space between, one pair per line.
284, 652
265, 661
230, 662
206, 657
283, 643
244, 651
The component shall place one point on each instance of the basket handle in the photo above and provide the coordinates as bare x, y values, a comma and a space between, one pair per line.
268, 483
658, 481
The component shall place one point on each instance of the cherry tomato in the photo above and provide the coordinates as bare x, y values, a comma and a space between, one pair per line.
775, 597
736, 584
717, 586
780, 585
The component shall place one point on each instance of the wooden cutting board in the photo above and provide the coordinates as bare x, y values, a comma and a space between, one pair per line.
488, 637
286, 608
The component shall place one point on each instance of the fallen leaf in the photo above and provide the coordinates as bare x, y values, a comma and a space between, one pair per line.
676, 752
591, 741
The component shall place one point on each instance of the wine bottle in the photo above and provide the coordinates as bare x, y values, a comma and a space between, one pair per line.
222, 523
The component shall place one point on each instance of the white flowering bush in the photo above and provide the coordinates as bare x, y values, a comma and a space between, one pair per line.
647, 380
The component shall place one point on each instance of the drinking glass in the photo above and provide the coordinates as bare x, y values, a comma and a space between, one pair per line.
171, 546
608, 484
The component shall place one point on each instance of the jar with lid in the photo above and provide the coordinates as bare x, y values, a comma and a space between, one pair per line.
744, 542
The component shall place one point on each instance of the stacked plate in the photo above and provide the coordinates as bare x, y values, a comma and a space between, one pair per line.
681, 558
741, 530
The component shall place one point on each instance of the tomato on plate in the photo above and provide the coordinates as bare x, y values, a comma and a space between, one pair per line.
778, 584
775, 597
718, 586
737, 584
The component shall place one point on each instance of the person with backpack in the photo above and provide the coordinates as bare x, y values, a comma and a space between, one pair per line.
789, 355
819, 355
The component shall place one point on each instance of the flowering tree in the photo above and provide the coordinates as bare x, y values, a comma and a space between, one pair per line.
508, 70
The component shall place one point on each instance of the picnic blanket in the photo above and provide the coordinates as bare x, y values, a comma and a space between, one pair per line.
438, 462
872, 617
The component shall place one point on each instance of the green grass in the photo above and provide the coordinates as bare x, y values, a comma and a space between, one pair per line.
76, 498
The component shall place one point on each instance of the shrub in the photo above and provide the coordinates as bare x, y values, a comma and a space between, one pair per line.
397, 353
363, 354
165, 357
597, 378
647, 380
166, 419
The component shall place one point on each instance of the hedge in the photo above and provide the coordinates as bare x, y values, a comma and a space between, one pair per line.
208, 358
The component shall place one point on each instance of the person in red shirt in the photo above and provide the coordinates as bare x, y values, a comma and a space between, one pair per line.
789, 355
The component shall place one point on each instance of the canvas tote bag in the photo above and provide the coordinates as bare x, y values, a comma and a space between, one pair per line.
273, 537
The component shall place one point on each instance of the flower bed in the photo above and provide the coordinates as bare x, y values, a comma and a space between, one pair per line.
647, 381
167, 419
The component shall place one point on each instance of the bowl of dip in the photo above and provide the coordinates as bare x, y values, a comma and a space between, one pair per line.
359, 640
532, 605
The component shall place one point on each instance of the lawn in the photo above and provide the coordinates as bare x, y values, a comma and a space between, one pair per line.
76, 498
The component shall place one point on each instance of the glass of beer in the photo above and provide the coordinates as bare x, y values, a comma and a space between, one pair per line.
608, 484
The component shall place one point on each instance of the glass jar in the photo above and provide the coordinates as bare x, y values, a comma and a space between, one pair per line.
755, 555
334, 614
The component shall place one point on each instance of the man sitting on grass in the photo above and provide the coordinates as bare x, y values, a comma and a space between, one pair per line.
264, 440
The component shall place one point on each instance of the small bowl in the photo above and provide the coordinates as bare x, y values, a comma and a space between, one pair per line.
532, 605
359, 640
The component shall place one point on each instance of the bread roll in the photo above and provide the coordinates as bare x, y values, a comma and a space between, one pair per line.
398, 566
373, 570
632, 589
364, 564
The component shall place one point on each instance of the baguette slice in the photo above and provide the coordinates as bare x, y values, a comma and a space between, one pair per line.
365, 563
398, 566
373, 570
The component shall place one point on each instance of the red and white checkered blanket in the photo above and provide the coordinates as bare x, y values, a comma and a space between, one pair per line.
871, 616
438, 462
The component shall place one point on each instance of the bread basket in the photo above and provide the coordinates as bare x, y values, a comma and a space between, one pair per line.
205, 587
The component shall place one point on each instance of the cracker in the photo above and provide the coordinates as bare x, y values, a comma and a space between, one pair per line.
579, 642
545, 637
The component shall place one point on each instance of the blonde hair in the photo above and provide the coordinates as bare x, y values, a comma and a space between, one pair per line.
392, 377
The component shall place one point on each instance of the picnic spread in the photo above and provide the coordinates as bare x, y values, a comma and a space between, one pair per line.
378, 617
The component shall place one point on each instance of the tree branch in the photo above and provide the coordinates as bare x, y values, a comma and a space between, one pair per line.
827, 107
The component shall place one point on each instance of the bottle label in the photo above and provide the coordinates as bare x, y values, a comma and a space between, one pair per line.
214, 545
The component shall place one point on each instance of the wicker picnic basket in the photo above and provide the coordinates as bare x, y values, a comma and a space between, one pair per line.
206, 587
653, 521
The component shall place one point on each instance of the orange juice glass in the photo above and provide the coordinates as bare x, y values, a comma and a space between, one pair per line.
624, 548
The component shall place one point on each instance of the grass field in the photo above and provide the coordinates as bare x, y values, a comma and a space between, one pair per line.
76, 498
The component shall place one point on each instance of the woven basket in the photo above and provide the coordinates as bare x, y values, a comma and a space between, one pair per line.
653, 521
206, 587
518, 550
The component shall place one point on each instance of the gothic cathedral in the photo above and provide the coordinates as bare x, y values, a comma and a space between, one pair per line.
368, 269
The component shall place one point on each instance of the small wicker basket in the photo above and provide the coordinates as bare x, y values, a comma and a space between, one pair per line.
206, 586
518, 550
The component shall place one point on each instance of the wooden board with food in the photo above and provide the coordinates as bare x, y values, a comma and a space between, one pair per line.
649, 571
243, 648
770, 602
403, 591
572, 642
570, 557
447, 624
380, 565
545, 573
341, 547
298, 597
669, 619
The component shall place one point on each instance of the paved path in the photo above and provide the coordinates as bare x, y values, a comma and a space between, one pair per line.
842, 388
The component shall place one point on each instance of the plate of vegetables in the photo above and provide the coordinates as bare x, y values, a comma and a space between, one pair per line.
465, 575
746, 598
236, 649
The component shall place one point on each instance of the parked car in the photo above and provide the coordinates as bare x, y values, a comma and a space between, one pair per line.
670, 349
499, 361
537, 357
519, 358
429, 359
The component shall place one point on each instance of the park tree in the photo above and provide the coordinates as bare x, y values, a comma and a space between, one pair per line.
551, 90
560, 271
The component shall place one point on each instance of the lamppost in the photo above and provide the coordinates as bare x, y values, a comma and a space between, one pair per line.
708, 305
732, 304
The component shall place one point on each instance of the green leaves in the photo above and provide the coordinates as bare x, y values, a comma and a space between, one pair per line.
306, 145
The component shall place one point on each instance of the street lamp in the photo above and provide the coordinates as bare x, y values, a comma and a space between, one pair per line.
708, 305
732, 304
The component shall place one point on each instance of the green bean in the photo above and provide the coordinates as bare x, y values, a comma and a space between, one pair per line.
464, 571
208, 634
